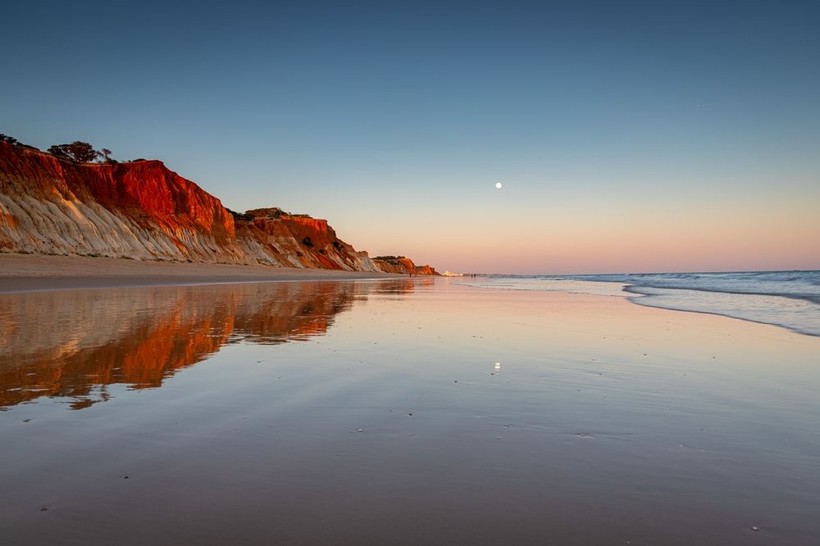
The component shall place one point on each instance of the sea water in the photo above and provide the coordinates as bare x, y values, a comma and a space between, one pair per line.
790, 299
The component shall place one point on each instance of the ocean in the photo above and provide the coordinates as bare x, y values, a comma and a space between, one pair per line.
790, 299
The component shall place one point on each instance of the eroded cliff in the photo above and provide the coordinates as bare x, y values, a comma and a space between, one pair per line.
142, 210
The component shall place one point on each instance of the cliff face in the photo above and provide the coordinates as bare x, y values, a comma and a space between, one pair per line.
143, 210
297, 241
401, 264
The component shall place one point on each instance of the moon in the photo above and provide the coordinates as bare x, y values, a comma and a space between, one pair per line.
498, 185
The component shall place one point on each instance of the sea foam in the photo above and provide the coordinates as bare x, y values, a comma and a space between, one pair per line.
790, 299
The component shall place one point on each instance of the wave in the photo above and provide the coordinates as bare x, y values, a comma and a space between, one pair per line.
803, 285
799, 315
790, 299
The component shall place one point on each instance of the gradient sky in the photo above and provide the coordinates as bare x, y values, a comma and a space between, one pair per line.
629, 136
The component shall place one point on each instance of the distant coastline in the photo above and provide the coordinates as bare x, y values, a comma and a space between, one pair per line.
54, 204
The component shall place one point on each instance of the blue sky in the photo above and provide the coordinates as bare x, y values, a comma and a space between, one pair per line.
629, 136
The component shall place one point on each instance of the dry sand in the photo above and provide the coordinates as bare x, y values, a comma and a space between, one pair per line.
28, 272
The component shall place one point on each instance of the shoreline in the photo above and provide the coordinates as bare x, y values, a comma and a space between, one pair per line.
34, 272
684, 427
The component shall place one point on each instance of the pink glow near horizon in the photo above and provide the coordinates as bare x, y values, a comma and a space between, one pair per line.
641, 237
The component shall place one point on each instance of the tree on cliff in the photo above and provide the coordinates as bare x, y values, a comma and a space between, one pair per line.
106, 155
81, 152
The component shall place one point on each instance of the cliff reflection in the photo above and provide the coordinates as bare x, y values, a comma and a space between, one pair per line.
73, 344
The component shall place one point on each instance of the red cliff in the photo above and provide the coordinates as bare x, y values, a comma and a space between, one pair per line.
144, 211
401, 264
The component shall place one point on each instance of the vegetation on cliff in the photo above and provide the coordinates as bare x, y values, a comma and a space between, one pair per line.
78, 151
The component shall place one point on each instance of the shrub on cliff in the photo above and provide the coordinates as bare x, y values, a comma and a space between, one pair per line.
14, 142
240, 216
77, 151
270, 212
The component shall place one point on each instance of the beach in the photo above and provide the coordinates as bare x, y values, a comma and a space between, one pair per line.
193, 404
25, 272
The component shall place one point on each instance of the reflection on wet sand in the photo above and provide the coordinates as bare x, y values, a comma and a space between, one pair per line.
73, 344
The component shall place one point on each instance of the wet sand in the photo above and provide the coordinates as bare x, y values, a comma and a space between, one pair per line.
400, 412
28, 272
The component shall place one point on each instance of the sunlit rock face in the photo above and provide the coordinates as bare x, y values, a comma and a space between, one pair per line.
425, 270
137, 210
402, 265
297, 241
144, 211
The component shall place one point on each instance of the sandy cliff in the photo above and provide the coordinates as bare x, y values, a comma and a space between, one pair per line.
144, 211
401, 264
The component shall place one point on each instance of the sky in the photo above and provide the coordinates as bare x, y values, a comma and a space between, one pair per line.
629, 136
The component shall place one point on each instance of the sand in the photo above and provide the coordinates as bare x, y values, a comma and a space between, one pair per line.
27, 272
399, 411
